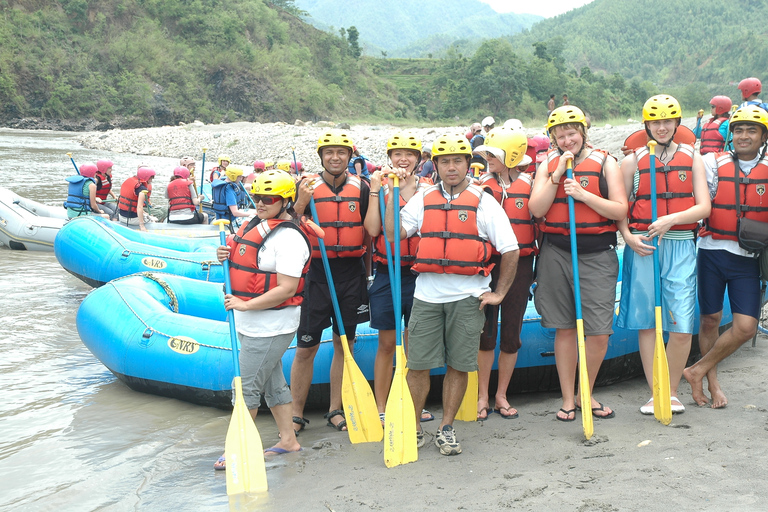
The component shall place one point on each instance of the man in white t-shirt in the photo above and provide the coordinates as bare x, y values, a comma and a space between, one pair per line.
458, 224
721, 260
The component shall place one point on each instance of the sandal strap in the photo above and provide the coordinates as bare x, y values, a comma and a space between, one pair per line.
300, 421
333, 414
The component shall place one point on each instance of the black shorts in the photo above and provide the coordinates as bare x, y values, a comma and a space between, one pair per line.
317, 309
196, 219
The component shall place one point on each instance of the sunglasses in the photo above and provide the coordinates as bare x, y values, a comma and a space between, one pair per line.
267, 200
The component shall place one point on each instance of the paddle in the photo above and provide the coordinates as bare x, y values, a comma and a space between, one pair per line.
468, 408
243, 450
584, 389
202, 180
247, 194
662, 403
399, 414
363, 423
73, 162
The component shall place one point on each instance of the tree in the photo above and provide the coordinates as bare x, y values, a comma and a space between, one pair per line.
354, 46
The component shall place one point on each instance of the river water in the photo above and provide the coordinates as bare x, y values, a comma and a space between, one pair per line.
72, 437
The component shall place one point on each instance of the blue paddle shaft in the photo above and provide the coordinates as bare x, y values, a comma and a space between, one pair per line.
247, 194
574, 250
383, 210
656, 264
396, 285
74, 164
202, 176
328, 276
230, 313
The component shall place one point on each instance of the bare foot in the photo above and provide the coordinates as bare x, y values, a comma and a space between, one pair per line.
284, 447
718, 399
697, 386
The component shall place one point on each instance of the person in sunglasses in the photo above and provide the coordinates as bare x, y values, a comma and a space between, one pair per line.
268, 259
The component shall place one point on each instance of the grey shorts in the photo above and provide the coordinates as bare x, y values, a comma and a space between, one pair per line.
554, 294
261, 370
449, 333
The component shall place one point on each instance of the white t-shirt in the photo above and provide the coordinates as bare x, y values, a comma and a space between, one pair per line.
185, 214
286, 252
708, 242
492, 224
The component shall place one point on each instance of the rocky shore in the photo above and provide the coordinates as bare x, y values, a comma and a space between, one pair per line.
246, 142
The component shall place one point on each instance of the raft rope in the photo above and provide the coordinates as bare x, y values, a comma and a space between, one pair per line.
174, 305
206, 264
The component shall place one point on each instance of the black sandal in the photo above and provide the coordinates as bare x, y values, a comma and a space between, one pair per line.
336, 412
300, 421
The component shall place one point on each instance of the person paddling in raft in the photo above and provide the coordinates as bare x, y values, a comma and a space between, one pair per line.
459, 225
722, 260
104, 188
600, 200
682, 200
505, 151
134, 198
183, 199
81, 194
268, 259
404, 151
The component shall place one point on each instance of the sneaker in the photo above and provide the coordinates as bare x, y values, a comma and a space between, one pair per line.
447, 442
421, 438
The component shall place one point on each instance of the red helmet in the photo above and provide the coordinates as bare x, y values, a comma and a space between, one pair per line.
295, 165
258, 164
182, 172
722, 104
144, 173
370, 166
88, 170
103, 165
750, 86
468, 135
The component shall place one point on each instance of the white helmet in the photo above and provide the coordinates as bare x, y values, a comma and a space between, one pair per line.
513, 124
488, 121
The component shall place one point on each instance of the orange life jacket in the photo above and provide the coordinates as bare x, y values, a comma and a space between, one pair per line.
247, 280
450, 243
674, 188
340, 217
104, 185
179, 197
515, 203
722, 223
589, 174
129, 199
408, 245
711, 140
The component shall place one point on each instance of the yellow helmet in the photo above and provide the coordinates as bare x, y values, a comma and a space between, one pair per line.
451, 144
402, 140
661, 106
512, 143
269, 164
750, 114
335, 138
225, 157
284, 165
233, 172
275, 183
565, 115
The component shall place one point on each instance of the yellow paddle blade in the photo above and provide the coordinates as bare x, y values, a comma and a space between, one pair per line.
400, 419
585, 393
363, 423
468, 408
246, 471
662, 402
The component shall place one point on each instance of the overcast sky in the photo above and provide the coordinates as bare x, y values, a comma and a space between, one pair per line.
546, 8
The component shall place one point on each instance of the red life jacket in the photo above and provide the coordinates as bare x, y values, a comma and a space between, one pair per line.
674, 188
104, 185
340, 217
408, 245
450, 243
589, 174
216, 170
711, 140
247, 280
515, 203
722, 223
179, 197
129, 199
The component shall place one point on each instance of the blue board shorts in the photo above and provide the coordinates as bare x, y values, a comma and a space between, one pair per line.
380, 297
677, 269
720, 268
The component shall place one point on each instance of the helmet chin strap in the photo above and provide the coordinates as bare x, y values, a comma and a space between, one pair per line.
665, 146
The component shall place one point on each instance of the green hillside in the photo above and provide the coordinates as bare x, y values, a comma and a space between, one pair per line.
404, 28
153, 62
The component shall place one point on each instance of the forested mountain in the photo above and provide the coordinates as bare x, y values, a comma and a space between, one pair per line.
152, 62
406, 28
672, 42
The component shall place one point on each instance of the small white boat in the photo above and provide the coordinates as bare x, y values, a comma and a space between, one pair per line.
27, 225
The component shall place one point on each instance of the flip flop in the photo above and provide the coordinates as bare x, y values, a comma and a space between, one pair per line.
280, 451
677, 409
487, 410
220, 464
426, 415
507, 416
602, 409
647, 409
567, 413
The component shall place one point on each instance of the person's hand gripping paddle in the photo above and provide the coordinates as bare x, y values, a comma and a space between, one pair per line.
585, 393
363, 423
662, 403
399, 415
243, 450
